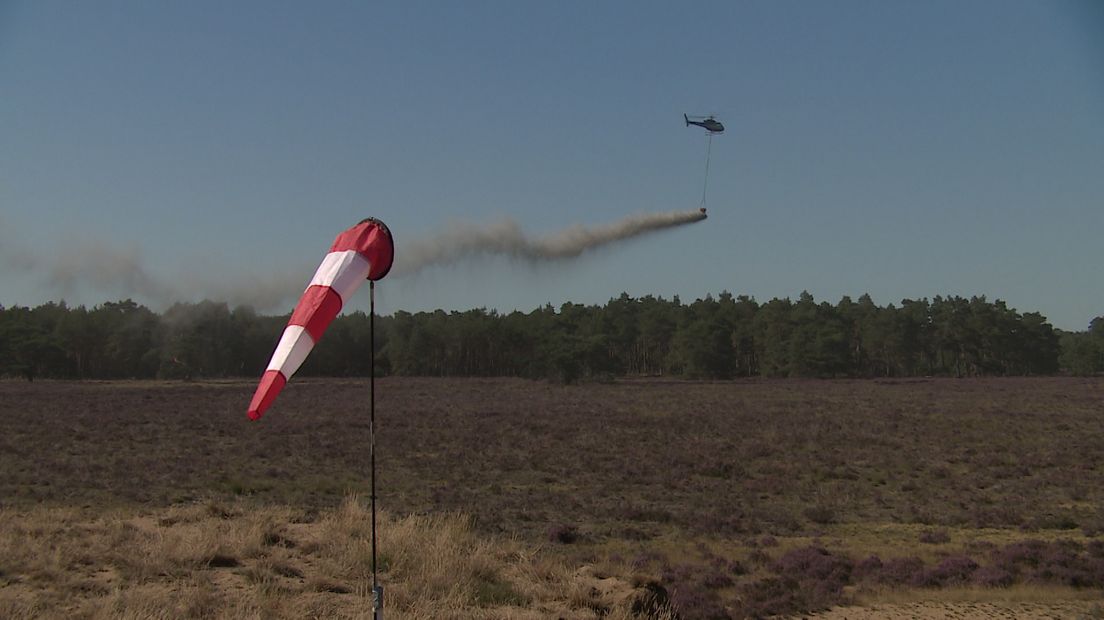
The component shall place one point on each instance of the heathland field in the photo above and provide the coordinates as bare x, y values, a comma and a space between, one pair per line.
508, 498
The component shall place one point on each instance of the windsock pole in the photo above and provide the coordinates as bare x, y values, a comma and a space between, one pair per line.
365, 251
377, 590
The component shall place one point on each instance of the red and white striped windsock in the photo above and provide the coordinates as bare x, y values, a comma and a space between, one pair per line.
365, 251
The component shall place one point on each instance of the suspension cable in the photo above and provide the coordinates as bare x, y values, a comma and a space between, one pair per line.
708, 156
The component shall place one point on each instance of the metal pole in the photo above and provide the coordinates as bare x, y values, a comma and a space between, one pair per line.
377, 590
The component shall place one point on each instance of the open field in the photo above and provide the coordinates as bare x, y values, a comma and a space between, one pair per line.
742, 498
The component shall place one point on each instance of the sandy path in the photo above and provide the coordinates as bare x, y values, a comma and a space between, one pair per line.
965, 611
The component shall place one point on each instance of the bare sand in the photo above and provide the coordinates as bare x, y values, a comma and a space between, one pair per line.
1063, 610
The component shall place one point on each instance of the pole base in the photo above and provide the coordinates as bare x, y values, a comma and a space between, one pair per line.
377, 603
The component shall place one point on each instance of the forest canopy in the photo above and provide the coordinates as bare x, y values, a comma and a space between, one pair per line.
714, 337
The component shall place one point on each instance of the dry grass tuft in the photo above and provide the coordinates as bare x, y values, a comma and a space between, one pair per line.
199, 562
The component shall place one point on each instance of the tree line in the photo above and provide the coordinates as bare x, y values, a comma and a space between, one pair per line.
715, 337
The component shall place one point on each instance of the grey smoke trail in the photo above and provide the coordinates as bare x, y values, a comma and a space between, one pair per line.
102, 269
505, 238
97, 271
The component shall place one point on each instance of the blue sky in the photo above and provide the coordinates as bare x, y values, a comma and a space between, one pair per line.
901, 149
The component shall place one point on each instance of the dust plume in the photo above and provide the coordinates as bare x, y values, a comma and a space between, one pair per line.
505, 238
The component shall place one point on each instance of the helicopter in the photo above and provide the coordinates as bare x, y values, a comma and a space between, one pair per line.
708, 123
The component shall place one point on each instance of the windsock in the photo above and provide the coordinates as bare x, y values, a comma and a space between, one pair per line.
364, 251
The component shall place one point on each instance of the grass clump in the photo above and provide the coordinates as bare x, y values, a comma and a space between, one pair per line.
191, 562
